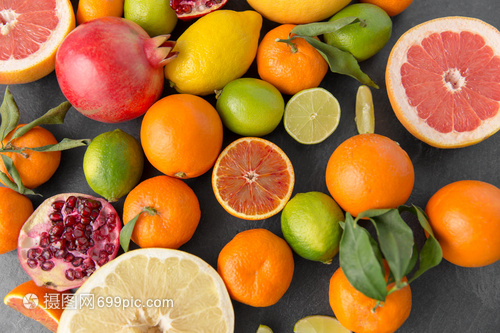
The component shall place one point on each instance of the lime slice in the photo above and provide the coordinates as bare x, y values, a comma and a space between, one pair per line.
365, 117
311, 115
319, 324
264, 329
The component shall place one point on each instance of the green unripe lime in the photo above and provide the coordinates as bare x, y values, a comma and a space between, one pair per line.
154, 16
250, 107
362, 42
310, 225
113, 164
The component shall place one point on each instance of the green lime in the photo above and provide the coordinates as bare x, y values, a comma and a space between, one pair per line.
310, 225
319, 324
250, 107
154, 16
113, 164
312, 115
365, 115
264, 329
362, 42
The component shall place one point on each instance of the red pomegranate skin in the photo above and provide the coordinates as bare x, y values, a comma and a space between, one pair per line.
103, 71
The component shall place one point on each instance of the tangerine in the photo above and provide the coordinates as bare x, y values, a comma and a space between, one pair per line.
465, 219
35, 168
391, 7
89, 10
181, 135
257, 267
15, 209
360, 313
369, 171
290, 67
173, 212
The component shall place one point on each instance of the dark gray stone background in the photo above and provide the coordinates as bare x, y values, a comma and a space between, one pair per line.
446, 299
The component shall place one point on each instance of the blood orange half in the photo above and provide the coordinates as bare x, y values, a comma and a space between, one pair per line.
30, 33
253, 179
443, 81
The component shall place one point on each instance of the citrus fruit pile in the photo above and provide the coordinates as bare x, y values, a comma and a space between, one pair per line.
228, 168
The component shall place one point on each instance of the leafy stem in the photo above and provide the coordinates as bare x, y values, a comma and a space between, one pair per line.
128, 229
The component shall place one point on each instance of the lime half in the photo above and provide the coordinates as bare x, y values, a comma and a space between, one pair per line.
319, 324
365, 115
312, 115
264, 329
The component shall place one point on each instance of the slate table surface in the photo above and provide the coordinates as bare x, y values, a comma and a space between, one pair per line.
446, 299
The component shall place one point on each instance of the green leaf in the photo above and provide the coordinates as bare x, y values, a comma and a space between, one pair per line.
126, 232
320, 28
64, 144
359, 261
9, 113
16, 184
340, 61
413, 260
371, 213
53, 116
396, 242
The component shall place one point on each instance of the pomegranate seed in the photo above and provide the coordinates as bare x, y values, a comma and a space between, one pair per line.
102, 261
88, 263
85, 211
110, 248
47, 265
103, 254
71, 201
57, 229
78, 274
69, 221
32, 263
94, 214
58, 205
78, 233
94, 204
77, 261
34, 253
68, 210
59, 254
86, 220
56, 217
46, 254
70, 274
69, 257
79, 227
68, 235
71, 245
82, 241
44, 239
89, 271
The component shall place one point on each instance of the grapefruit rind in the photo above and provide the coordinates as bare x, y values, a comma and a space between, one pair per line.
227, 206
406, 113
41, 62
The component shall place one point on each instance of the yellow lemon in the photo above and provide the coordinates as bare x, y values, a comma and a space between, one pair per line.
215, 50
297, 11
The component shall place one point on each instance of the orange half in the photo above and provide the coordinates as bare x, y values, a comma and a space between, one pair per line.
253, 179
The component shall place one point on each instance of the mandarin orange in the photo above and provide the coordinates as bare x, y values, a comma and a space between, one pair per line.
391, 7
15, 209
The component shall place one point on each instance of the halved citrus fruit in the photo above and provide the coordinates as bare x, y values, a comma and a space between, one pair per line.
443, 81
319, 324
31, 32
253, 179
39, 303
151, 290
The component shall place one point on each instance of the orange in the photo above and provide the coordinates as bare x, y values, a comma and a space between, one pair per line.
257, 267
354, 310
35, 168
290, 68
391, 7
465, 219
443, 81
91, 9
181, 135
369, 171
253, 179
29, 40
175, 212
46, 306
15, 209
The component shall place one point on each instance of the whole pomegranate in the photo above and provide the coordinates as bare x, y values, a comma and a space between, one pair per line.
67, 238
110, 70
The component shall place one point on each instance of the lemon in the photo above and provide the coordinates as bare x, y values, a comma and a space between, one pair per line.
297, 11
264, 329
113, 164
152, 290
215, 50
250, 107
154, 16
310, 225
365, 114
311, 115
362, 42
319, 324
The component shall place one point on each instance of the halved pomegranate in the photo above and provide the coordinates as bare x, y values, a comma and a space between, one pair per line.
190, 9
67, 238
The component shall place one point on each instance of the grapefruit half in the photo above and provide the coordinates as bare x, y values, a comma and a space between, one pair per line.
443, 81
253, 179
30, 33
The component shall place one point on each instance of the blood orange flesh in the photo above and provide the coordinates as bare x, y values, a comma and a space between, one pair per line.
253, 179
30, 32
443, 81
